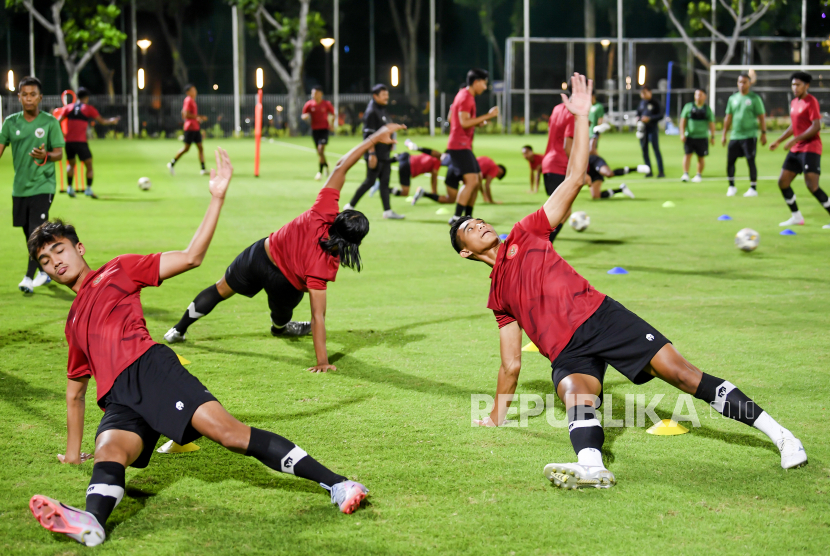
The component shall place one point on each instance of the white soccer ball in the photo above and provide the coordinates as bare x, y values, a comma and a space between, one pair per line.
747, 239
144, 184
579, 221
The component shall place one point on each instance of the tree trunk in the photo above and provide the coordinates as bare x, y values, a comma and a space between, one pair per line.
590, 33
408, 39
174, 43
412, 66
107, 74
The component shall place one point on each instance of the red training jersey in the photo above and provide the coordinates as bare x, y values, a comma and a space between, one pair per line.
560, 125
77, 117
488, 167
319, 113
191, 124
105, 329
461, 138
536, 161
296, 246
423, 163
532, 285
802, 113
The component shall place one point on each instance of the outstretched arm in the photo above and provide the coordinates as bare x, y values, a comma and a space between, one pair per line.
75, 406
510, 340
109, 121
559, 203
174, 263
383, 135
318, 331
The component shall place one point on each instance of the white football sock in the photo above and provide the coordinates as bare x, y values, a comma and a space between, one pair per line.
590, 457
769, 427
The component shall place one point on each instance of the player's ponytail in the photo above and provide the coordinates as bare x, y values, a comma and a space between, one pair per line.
345, 235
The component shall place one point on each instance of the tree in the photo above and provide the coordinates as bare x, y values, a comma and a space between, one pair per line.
485, 9
294, 37
408, 38
170, 15
88, 29
698, 14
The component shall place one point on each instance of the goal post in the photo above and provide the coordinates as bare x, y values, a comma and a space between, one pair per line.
772, 82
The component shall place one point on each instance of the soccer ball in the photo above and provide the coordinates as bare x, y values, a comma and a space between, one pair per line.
579, 221
144, 184
747, 239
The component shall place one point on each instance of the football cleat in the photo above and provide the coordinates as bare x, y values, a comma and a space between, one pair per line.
348, 495
318, 176
40, 279
410, 144
174, 337
751, 193
170, 167
70, 191
392, 215
731, 191
697, 179
626, 191
89, 193
573, 476
601, 128
453, 220
792, 451
203, 172
292, 328
26, 285
643, 169
418, 194
684, 177
72, 522
826, 227
348, 207
795, 220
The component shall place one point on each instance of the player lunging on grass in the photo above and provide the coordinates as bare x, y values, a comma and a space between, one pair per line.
36, 140
192, 129
805, 148
744, 114
598, 170
321, 114
141, 386
535, 161
490, 171
413, 165
302, 256
697, 132
581, 330
77, 116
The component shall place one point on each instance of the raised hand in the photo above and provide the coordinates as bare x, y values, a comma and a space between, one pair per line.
580, 102
384, 134
220, 177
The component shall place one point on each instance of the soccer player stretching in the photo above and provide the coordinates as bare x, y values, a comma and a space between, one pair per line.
321, 114
804, 147
302, 256
581, 330
142, 387
192, 129
535, 161
598, 170
489, 171
557, 152
744, 113
36, 139
77, 116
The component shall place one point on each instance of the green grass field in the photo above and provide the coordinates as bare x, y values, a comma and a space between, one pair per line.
412, 340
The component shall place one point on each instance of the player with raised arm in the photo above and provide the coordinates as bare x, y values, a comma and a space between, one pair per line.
320, 113
744, 114
697, 132
581, 330
36, 139
141, 386
192, 128
804, 146
535, 161
300, 257
77, 116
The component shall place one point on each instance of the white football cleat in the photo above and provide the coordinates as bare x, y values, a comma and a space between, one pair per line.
318, 176
172, 170
751, 193
348, 495
392, 215
348, 207
795, 220
731, 191
626, 190
643, 169
826, 227
26, 285
72, 522
574, 475
203, 172
40, 279
697, 179
792, 451
410, 144
602, 128
173, 337
418, 194
684, 177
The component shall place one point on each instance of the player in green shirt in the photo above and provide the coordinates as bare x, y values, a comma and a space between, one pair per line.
697, 131
36, 139
745, 110
595, 117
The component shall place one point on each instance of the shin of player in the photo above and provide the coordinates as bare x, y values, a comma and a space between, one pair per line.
535, 161
320, 113
192, 128
745, 113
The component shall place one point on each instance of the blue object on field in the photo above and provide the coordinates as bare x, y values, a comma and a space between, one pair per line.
502, 237
787, 233
724, 217
618, 270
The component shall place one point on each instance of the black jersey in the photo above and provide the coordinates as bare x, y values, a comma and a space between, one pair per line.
374, 119
652, 109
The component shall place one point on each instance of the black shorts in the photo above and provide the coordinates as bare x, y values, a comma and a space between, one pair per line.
155, 395
742, 148
453, 177
552, 181
192, 136
79, 150
614, 336
30, 212
698, 146
320, 136
404, 170
252, 271
594, 164
464, 161
802, 162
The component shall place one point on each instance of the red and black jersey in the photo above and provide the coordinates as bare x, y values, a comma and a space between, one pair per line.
77, 116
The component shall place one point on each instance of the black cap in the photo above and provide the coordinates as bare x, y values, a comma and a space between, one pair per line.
378, 88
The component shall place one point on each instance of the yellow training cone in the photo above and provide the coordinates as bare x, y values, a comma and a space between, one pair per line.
667, 427
182, 360
171, 447
531, 347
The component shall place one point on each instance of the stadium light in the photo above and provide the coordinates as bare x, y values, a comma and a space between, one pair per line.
215, 87
260, 78
394, 76
11, 80
141, 78
327, 42
564, 86
144, 44
605, 44
641, 76
279, 108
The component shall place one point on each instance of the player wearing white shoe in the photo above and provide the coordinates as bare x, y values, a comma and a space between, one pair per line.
320, 113
697, 132
598, 170
580, 330
192, 129
804, 146
745, 113
140, 384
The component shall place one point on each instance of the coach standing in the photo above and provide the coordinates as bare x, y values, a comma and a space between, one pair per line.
649, 113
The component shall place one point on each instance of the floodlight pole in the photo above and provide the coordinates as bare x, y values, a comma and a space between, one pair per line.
805, 53
31, 46
527, 65
336, 63
237, 117
432, 68
134, 56
620, 85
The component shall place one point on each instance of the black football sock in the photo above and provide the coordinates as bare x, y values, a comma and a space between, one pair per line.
425, 150
173, 162
69, 180
32, 268
204, 303
321, 168
727, 399
822, 198
731, 182
89, 182
459, 210
607, 194
433, 196
753, 170
555, 232
621, 171
586, 435
468, 211
397, 191
753, 185
106, 488
789, 197
203, 165
280, 454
